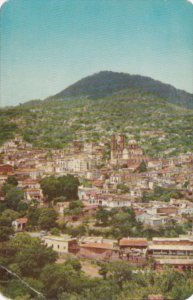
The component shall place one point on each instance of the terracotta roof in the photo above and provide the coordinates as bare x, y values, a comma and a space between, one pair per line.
27, 170
98, 182
29, 180
138, 213
133, 242
33, 190
134, 166
22, 220
97, 245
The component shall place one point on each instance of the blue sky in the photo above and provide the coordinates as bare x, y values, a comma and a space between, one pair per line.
47, 45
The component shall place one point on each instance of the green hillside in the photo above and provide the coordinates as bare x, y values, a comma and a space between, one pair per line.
107, 83
55, 123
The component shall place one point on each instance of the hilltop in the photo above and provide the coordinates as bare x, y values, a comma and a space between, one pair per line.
99, 105
107, 83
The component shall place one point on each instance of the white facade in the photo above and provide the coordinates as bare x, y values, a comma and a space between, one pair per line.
58, 243
73, 165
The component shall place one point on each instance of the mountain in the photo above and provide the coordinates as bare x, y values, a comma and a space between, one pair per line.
104, 104
106, 83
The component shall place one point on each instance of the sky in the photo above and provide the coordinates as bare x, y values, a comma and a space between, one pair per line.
47, 45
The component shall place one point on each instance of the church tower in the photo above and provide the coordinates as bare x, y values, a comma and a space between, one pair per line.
113, 147
121, 142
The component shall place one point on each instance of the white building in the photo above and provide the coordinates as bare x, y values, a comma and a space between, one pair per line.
61, 244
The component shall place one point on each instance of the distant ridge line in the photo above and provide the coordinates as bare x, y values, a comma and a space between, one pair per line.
106, 83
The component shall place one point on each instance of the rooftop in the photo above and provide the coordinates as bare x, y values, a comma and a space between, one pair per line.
133, 242
22, 220
61, 238
171, 247
98, 245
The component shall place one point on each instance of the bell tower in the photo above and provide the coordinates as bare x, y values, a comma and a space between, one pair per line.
121, 142
113, 147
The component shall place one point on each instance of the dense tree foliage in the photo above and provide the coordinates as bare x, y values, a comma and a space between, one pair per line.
44, 218
102, 216
161, 194
5, 229
34, 255
123, 188
118, 223
12, 180
64, 186
106, 83
36, 265
143, 167
75, 208
13, 196
56, 123
8, 129
47, 218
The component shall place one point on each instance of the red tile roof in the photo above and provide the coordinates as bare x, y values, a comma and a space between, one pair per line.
133, 242
97, 245
22, 220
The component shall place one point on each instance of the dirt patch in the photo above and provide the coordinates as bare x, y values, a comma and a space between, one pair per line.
90, 269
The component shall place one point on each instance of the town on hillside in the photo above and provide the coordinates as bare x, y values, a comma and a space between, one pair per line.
102, 201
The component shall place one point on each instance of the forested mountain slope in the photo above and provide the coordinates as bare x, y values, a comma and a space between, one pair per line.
107, 83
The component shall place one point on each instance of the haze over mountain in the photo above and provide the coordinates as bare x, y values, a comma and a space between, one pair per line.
106, 83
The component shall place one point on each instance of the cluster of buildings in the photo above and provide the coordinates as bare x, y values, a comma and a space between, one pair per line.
105, 174
160, 252
107, 167
111, 177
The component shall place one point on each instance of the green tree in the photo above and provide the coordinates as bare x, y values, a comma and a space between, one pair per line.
33, 216
123, 188
103, 271
47, 218
10, 214
12, 180
69, 186
5, 229
55, 231
76, 207
22, 206
58, 279
51, 187
77, 231
74, 263
123, 223
102, 216
64, 186
143, 167
34, 255
120, 272
13, 197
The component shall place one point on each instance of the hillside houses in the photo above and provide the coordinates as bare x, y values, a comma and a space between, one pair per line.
76, 164
176, 252
111, 182
83, 159
61, 244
